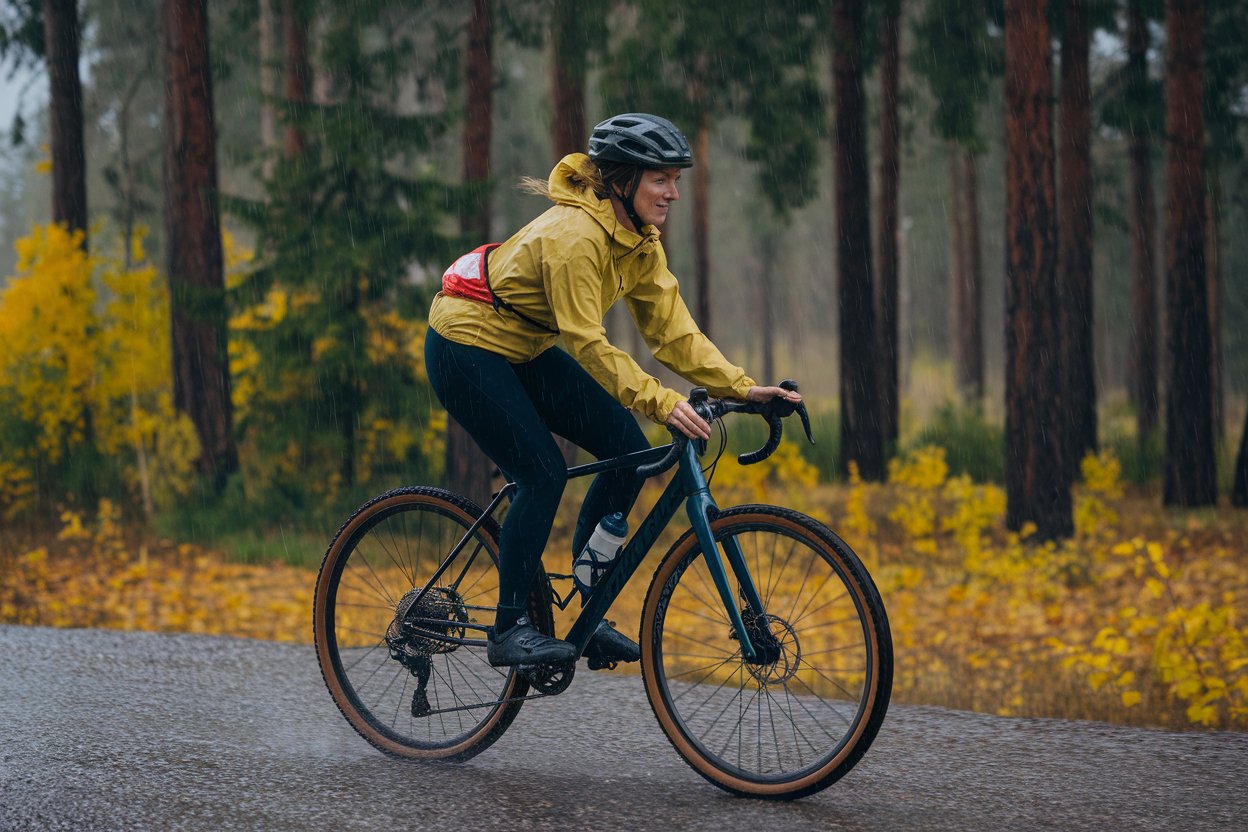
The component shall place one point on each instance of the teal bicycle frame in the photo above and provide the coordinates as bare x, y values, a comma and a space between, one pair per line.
689, 486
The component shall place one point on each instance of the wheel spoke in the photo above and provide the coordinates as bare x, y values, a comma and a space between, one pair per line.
756, 721
393, 550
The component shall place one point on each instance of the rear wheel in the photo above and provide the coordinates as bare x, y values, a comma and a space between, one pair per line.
796, 722
409, 670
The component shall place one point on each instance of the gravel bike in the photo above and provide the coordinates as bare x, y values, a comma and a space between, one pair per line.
770, 675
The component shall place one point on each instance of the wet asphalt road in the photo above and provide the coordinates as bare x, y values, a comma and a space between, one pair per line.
107, 730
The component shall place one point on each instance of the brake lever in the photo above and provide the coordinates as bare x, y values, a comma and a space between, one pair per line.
799, 408
801, 411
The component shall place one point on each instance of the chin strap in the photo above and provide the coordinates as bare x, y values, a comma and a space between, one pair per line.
626, 199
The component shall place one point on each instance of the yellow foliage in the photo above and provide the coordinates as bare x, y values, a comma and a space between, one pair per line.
48, 326
99, 581
84, 361
785, 476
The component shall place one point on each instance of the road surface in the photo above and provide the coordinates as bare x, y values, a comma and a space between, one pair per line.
105, 730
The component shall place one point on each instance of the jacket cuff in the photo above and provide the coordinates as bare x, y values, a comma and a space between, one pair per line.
665, 404
742, 387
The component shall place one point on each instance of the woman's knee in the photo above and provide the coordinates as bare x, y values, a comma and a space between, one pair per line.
544, 482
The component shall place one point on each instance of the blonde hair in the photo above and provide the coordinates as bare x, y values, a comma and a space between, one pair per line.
598, 179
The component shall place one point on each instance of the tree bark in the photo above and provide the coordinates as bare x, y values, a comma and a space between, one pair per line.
886, 226
1075, 239
1142, 365
769, 247
1239, 490
1189, 467
971, 329
861, 431
296, 75
61, 37
467, 467
701, 221
568, 131
1037, 490
268, 85
568, 67
201, 371
1213, 203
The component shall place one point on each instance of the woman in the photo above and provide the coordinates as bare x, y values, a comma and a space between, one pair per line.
490, 357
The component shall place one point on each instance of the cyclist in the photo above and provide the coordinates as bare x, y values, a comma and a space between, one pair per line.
491, 359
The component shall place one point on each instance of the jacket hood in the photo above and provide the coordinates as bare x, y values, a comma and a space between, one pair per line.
570, 184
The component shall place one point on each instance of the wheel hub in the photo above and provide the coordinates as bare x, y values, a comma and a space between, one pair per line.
425, 628
775, 643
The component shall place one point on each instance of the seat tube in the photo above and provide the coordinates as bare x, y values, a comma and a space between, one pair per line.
699, 504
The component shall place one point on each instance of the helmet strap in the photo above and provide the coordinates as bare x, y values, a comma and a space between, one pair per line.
626, 199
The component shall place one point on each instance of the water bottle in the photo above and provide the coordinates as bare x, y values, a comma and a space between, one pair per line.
604, 544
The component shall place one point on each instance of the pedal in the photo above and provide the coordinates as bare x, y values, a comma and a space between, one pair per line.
599, 663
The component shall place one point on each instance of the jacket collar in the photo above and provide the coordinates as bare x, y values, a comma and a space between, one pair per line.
569, 186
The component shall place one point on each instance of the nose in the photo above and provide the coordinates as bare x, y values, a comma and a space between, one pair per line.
672, 193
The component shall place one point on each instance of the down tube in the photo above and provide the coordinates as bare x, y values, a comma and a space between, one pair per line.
618, 574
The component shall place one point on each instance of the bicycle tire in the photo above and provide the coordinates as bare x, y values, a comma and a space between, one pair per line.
388, 547
688, 661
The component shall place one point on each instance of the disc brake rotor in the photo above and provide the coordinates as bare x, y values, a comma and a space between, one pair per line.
787, 658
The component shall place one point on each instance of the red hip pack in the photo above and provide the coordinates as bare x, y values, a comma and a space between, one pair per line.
469, 277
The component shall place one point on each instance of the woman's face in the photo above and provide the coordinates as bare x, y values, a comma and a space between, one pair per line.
655, 195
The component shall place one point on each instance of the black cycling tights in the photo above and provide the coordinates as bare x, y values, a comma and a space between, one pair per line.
510, 410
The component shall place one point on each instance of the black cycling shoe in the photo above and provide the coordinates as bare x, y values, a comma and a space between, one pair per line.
523, 644
609, 646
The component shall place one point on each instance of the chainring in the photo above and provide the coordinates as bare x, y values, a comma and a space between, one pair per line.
548, 678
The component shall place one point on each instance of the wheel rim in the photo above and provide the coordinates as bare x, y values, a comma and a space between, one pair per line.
780, 721
393, 551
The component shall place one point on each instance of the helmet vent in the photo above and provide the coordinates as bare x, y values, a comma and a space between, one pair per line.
657, 138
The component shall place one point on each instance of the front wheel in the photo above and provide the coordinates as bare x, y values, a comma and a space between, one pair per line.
794, 724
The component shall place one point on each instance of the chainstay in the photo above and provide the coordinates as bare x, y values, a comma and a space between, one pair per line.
496, 703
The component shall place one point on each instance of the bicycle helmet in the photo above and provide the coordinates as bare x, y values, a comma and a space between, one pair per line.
640, 139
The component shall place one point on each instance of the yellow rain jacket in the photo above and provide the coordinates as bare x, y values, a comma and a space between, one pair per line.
565, 269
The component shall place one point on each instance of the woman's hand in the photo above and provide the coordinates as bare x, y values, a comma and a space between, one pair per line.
686, 420
766, 394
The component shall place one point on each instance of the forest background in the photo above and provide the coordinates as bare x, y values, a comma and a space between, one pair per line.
357, 148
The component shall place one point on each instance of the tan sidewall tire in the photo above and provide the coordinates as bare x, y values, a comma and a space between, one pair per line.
650, 671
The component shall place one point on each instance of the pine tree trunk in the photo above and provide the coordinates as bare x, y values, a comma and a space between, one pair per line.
1037, 490
971, 334
201, 372
956, 214
61, 37
769, 248
268, 84
296, 74
1189, 467
569, 134
886, 226
467, 467
701, 222
568, 67
1239, 490
1075, 239
861, 429
1213, 203
1142, 364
